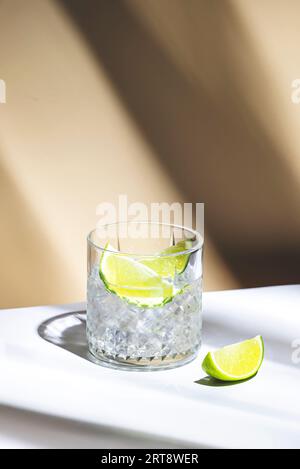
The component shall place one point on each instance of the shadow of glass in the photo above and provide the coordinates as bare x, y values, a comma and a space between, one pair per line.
68, 332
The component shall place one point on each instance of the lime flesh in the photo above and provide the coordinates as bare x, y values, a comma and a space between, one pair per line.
236, 362
167, 264
132, 280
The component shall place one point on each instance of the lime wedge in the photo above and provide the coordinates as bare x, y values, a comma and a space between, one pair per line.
235, 362
167, 264
133, 281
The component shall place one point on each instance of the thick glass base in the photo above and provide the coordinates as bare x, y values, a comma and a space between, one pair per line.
143, 364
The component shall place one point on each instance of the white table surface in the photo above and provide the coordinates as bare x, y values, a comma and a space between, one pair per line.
54, 397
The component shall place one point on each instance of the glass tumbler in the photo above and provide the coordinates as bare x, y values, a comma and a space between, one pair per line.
144, 295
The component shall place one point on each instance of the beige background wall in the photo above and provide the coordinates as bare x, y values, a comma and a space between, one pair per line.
162, 100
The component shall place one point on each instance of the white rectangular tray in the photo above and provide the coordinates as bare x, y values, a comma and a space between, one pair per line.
174, 405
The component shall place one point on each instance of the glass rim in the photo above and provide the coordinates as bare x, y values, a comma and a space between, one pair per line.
198, 246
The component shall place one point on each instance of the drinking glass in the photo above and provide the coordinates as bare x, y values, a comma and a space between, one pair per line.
144, 295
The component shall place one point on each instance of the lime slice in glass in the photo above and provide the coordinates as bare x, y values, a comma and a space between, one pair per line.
133, 281
235, 362
166, 263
